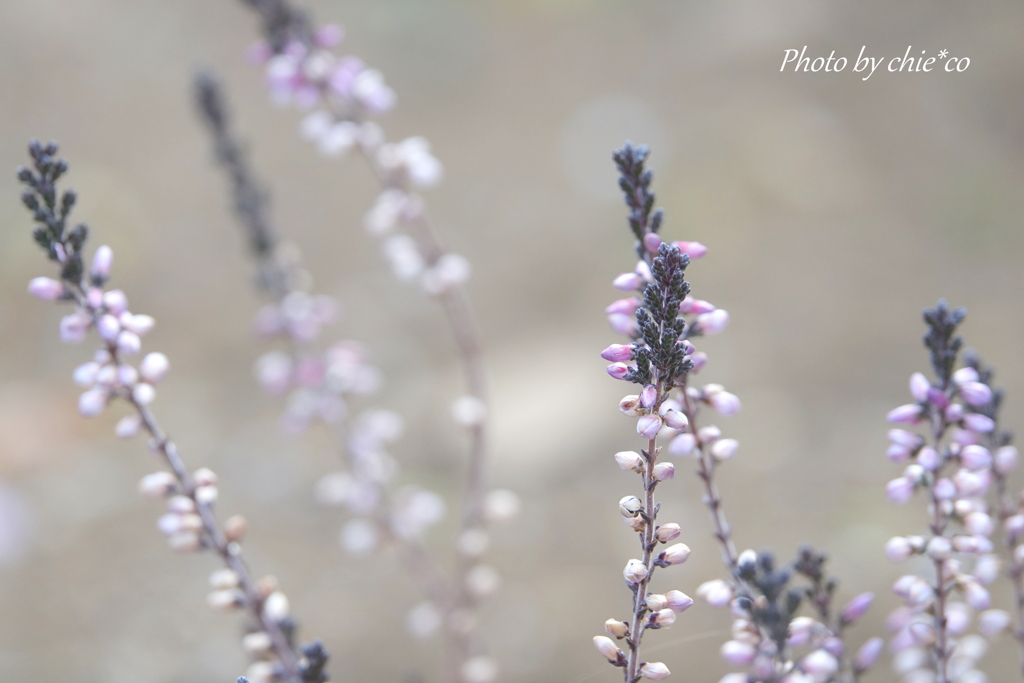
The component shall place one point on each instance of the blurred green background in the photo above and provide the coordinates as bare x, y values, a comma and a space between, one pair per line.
834, 209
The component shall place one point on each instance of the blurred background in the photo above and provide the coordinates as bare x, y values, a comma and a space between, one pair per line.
834, 210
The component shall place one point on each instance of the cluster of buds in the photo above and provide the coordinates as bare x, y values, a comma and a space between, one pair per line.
961, 462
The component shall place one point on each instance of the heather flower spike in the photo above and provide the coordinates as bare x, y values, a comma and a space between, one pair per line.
190, 523
960, 461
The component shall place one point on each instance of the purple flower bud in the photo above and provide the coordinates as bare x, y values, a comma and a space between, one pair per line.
676, 420
919, 386
623, 324
713, 322
986, 569
675, 554
978, 423
910, 413
682, 444
618, 370
699, 359
856, 608
45, 288
664, 471
694, 250
1006, 460
975, 457
976, 394
686, 304
648, 426
928, 458
128, 342
897, 453
979, 524
678, 601
101, 262
618, 353
94, 297
629, 461
115, 302
945, 489
867, 654
648, 396
628, 282
688, 348
937, 398
993, 622
899, 490
624, 306
700, 307
652, 242
976, 596
738, 653
725, 403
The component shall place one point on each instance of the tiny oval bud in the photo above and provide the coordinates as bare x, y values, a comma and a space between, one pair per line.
654, 671
716, 593
234, 528
157, 485
656, 602
898, 549
683, 444
127, 426
607, 648
976, 394
724, 449
225, 600
906, 414
713, 322
619, 629
222, 579
676, 420
678, 601
275, 607
634, 572
676, 554
154, 367
618, 370
663, 618
667, 532
664, 471
630, 506
618, 353
628, 282
856, 608
629, 461
738, 653
92, 402
867, 654
629, 405
649, 396
1006, 460
45, 288
102, 260
648, 426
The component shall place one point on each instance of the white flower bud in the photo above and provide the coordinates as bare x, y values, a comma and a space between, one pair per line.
635, 572
92, 402
206, 495
678, 601
993, 622
629, 461
667, 532
226, 600
157, 485
709, 434
129, 343
724, 449
940, 548
234, 528
675, 554
654, 671
738, 653
154, 367
664, 471
629, 405
501, 505
607, 648
663, 618
716, 593
630, 506
180, 505
128, 426
275, 607
656, 602
619, 629
479, 669
676, 420
143, 394
257, 644
223, 579
85, 374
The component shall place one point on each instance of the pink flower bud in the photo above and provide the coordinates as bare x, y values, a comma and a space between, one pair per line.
910, 413
607, 648
127, 426
819, 665
675, 554
629, 405
897, 453
635, 572
699, 307
108, 328
919, 386
92, 402
899, 490
939, 548
937, 397
662, 618
688, 348
975, 457
623, 324
904, 438
128, 343
716, 593
648, 426
978, 423
45, 288
618, 370
682, 444
629, 461
1006, 460
725, 403
676, 420
648, 396
678, 601
628, 282
713, 322
965, 375
664, 471
856, 608
724, 449
667, 532
686, 304
115, 302
867, 654
979, 524
154, 367
898, 549
143, 394
699, 359
928, 458
738, 653
976, 394
954, 412
618, 353
976, 596
102, 260
652, 242
654, 671
694, 250
624, 306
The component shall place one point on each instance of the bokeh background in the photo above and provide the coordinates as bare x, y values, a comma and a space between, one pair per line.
834, 208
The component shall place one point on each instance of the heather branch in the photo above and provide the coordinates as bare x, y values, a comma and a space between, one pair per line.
96, 308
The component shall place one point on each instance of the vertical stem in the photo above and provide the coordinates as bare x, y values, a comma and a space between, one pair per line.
647, 541
937, 527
